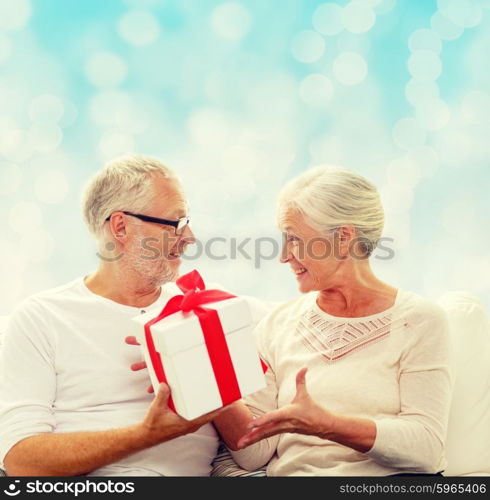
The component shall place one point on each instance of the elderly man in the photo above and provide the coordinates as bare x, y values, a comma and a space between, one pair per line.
69, 405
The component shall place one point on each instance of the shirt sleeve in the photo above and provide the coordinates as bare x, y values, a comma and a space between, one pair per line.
257, 455
27, 378
414, 439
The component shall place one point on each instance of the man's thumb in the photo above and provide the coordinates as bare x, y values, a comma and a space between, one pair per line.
163, 394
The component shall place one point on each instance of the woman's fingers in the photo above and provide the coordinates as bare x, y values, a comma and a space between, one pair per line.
267, 418
301, 382
262, 432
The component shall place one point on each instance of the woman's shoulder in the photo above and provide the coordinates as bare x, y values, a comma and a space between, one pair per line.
421, 313
285, 313
416, 304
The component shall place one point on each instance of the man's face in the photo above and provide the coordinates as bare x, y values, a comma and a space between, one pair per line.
154, 251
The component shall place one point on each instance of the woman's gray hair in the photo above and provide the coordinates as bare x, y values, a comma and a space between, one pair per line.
124, 183
331, 197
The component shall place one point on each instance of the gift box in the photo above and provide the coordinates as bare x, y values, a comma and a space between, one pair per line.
202, 346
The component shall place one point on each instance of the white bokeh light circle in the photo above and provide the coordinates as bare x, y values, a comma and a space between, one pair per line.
104, 107
51, 187
316, 90
10, 177
15, 145
475, 107
444, 27
46, 108
70, 114
5, 48
139, 28
424, 65
426, 158
115, 143
231, 21
14, 15
425, 39
350, 68
349, 42
327, 19
36, 246
456, 146
384, 6
421, 92
464, 13
434, 115
105, 69
210, 128
25, 217
45, 137
404, 171
358, 17
307, 46
408, 134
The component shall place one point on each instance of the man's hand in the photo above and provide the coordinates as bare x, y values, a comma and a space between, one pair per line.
162, 424
140, 365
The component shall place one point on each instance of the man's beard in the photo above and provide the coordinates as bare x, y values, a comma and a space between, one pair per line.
153, 271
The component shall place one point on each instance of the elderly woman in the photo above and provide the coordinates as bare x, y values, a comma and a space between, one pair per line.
359, 381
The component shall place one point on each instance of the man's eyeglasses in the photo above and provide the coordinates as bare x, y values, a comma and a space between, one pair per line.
179, 224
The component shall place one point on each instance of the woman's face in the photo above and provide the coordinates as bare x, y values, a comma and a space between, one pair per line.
312, 255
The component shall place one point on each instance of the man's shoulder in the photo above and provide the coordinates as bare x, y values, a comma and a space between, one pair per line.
44, 298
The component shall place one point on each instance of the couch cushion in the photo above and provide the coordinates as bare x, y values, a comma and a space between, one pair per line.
467, 444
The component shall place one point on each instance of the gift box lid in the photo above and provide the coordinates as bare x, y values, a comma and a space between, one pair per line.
182, 331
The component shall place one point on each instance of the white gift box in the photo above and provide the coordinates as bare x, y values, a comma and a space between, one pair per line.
179, 341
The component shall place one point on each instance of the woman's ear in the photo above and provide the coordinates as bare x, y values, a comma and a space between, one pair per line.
345, 235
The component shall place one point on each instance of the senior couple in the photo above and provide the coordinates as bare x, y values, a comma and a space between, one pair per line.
358, 381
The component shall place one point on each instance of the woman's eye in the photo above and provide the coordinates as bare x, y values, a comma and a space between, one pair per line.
292, 239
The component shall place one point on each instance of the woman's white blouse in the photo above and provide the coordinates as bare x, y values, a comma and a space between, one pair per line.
392, 367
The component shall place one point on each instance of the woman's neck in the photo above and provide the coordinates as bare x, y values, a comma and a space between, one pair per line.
356, 292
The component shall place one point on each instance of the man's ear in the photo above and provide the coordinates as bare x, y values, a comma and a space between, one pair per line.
118, 225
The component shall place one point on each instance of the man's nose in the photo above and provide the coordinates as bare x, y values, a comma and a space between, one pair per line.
188, 235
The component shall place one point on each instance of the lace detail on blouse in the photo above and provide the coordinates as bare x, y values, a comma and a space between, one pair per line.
334, 339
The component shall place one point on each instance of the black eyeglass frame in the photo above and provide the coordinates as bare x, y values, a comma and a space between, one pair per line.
177, 224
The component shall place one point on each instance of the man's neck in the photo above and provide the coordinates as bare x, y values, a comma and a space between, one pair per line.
120, 289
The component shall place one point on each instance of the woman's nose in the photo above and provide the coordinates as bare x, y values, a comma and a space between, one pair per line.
285, 255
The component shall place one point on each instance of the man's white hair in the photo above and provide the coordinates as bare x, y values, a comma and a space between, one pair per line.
331, 197
124, 183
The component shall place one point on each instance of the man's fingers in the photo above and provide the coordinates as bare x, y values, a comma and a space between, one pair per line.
140, 365
131, 340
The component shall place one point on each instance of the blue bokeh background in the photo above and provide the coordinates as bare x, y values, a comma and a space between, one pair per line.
238, 97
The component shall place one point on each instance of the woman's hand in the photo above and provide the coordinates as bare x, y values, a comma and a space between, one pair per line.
302, 416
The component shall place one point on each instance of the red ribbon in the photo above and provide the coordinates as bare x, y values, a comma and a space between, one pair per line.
195, 295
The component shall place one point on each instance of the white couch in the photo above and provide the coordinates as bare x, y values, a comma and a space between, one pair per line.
468, 439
